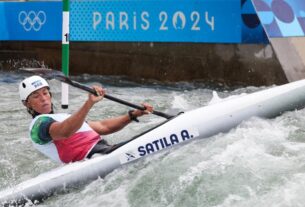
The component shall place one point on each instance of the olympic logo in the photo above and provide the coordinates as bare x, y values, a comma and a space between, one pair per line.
32, 20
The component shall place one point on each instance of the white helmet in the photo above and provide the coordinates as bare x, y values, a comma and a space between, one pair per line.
31, 84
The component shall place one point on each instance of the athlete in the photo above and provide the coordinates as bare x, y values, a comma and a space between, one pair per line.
69, 138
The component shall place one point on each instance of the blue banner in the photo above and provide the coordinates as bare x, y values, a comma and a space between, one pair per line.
156, 20
211, 21
30, 20
282, 18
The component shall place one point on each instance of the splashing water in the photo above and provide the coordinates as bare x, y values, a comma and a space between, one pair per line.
259, 163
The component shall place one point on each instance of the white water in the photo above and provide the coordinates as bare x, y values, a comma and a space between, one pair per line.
259, 163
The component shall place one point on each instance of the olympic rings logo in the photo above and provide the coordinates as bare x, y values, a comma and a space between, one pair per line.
32, 20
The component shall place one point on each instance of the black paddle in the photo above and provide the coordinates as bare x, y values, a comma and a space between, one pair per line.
58, 75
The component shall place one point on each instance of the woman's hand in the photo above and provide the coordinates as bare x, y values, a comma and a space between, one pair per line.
148, 109
100, 91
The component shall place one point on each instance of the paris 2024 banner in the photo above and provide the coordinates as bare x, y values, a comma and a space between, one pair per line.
210, 21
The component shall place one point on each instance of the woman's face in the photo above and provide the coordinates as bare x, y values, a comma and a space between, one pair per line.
40, 101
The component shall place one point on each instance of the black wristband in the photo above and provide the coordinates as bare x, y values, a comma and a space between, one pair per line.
132, 117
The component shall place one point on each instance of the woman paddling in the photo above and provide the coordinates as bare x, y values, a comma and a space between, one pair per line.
69, 138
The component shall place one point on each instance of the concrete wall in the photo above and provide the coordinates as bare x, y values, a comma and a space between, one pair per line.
291, 53
227, 64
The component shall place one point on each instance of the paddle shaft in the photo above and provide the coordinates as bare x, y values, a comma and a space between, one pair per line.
91, 90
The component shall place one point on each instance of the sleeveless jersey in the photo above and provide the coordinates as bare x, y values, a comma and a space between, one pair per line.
71, 149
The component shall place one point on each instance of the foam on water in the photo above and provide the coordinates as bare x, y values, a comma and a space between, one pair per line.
259, 163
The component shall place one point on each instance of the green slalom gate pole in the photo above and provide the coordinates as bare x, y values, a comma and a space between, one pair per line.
65, 53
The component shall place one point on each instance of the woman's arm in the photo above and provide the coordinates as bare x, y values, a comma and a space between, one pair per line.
112, 125
63, 130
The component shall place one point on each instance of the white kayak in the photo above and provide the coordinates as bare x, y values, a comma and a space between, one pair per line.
199, 123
